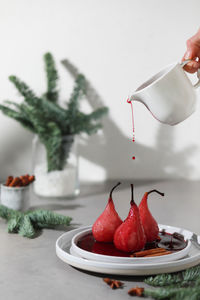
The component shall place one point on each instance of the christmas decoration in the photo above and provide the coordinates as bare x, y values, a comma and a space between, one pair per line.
182, 285
28, 223
46, 118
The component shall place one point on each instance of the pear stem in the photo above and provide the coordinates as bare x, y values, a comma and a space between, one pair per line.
156, 191
132, 194
114, 188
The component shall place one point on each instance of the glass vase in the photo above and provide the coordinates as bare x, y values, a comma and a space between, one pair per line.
56, 174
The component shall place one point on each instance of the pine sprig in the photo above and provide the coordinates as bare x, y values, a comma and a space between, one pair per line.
26, 228
46, 118
50, 110
97, 114
164, 279
176, 286
22, 87
17, 116
174, 293
52, 77
191, 274
78, 92
26, 224
183, 278
48, 219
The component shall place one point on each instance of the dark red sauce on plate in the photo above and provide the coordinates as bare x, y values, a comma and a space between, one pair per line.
172, 242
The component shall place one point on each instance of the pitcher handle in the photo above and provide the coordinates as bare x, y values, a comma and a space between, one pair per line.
198, 72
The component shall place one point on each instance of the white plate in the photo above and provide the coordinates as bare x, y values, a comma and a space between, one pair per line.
136, 260
63, 245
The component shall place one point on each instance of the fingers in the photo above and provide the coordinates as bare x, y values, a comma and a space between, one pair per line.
191, 66
193, 52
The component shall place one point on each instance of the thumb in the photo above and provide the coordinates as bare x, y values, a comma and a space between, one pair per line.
193, 65
188, 55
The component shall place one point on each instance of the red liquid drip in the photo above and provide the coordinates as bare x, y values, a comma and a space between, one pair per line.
130, 102
88, 243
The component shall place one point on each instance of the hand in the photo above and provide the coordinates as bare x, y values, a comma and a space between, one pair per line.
193, 52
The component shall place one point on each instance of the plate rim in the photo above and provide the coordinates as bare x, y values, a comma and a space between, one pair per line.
93, 256
122, 269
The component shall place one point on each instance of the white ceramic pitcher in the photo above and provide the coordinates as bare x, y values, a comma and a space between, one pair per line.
169, 95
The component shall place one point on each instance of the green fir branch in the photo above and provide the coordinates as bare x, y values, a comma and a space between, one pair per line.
174, 293
78, 92
50, 135
175, 286
22, 87
52, 77
50, 110
26, 228
6, 213
26, 224
53, 143
48, 219
97, 114
85, 124
164, 279
191, 274
14, 223
182, 278
17, 116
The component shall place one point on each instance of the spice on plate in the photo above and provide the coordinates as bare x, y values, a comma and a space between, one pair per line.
151, 252
178, 236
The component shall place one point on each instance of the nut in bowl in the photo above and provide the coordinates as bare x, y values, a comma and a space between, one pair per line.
15, 193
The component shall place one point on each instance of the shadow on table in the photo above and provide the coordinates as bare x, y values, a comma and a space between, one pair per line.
130, 278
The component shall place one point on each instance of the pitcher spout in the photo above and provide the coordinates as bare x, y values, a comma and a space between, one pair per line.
136, 97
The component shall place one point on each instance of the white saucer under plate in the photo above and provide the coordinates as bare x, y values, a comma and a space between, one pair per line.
75, 250
63, 245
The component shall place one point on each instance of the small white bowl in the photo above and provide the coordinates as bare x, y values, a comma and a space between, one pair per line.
17, 198
75, 250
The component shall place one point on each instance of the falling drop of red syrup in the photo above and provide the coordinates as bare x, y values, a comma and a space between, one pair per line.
130, 102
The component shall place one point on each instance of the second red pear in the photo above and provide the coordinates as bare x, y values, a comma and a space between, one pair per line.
130, 236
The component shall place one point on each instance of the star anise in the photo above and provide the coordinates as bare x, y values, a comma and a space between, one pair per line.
137, 291
114, 284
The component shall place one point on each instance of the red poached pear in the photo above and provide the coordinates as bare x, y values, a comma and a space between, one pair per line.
148, 222
130, 236
104, 227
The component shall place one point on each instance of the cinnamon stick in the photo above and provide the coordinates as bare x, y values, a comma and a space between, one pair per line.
9, 180
31, 178
22, 180
159, 254
15, 181
25, 180
148, 252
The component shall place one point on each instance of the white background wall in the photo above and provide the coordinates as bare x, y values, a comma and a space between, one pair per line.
117, 44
